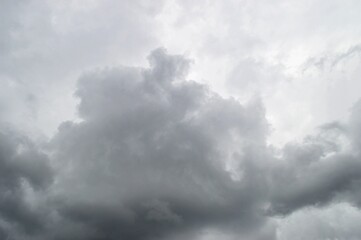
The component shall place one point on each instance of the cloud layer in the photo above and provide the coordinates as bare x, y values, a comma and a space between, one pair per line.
257, 137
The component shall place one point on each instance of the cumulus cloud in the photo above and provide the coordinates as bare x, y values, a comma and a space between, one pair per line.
324, 167
147, 153
174, 156
157, 156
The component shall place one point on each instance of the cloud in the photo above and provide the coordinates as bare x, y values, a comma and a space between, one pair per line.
323, 168
152, 154
339, 221
157, 156
46, 45
23, 169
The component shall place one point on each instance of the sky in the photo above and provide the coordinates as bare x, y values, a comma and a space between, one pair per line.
179, 119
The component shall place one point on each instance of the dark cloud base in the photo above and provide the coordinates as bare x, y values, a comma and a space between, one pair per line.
157, 156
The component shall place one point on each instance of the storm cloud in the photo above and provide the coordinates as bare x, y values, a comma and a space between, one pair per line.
166, 153
179, 120
24, 169
155, 156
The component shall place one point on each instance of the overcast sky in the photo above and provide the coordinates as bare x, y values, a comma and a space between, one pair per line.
180, 120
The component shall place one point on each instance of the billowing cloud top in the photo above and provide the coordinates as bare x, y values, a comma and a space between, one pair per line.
167, 153
156, 156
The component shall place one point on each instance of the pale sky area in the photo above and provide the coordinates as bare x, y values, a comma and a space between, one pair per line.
179, 119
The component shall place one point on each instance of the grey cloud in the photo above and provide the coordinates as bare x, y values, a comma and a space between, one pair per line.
339, 221
156, 156
323, 168
153, 154
330, 62
44, 46
21, 166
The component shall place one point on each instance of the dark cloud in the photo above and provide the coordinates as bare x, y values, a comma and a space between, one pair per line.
173, 156
156, 156
322, 168
153, 155
22, 167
